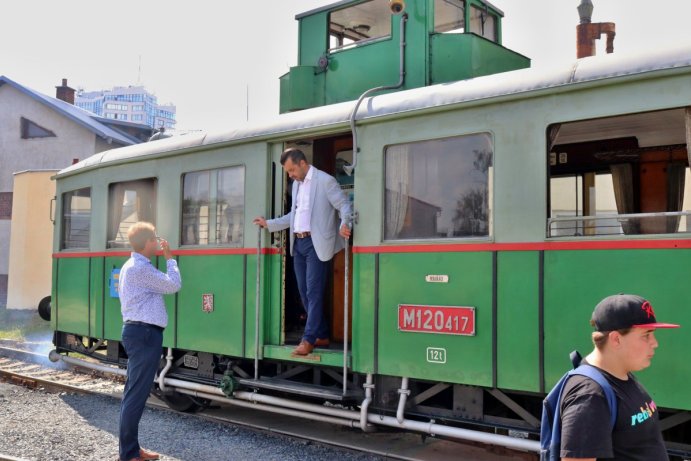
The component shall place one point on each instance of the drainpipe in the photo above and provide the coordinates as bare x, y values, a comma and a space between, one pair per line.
365, 404
404, 392
169, 363
349, 168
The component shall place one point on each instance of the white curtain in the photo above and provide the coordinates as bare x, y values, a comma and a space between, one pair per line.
397, 189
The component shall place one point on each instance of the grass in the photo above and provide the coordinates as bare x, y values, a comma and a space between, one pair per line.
22, 325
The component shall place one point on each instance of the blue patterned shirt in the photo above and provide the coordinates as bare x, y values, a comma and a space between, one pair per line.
141, 287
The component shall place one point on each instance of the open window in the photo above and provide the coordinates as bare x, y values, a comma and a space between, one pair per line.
359, 23
621, 175
449, 16
213, 207
129, 202
439, 189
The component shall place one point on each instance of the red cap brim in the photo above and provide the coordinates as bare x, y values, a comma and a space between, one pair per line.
657, 325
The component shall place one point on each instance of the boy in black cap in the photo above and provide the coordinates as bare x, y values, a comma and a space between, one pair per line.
624, 342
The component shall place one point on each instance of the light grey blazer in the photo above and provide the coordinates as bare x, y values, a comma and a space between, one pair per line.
326, 197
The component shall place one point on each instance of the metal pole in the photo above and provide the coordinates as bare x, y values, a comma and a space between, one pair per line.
256, 308
345, 313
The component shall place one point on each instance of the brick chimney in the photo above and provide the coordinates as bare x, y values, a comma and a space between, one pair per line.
587, 32
64, 92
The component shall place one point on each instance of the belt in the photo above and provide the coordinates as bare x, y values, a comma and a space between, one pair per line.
144, 324
302, 235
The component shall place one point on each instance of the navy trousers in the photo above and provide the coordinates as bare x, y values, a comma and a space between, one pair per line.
143, 345
311, 275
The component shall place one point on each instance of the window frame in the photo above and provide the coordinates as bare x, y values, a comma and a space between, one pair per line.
63, 235
109, 198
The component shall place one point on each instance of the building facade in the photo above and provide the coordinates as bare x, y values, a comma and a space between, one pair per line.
39, 132
129, 104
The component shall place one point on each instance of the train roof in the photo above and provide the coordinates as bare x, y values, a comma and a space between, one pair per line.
507, 85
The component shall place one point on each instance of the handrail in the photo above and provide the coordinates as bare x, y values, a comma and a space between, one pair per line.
345, 312
257, 305
619, 217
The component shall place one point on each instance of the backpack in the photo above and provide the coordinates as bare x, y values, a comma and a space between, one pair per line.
550, 427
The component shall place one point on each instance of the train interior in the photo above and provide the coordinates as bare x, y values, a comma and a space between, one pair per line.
329, 154
624, 175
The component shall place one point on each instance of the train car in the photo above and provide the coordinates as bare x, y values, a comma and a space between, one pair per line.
491, 215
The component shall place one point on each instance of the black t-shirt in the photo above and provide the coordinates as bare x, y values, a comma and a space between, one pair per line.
585, 421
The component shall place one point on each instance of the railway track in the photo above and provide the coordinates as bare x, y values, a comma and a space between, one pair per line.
35, 371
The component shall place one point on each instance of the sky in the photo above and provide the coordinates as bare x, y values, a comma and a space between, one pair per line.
219, 61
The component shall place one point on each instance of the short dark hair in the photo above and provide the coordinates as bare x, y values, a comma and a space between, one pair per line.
294, 154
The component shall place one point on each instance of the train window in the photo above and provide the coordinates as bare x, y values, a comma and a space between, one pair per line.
621, 175
483, 23
213, 207
358, 23
76, 219
129, 202
439, 188
449, 16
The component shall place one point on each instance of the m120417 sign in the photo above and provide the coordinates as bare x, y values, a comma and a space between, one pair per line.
447, 320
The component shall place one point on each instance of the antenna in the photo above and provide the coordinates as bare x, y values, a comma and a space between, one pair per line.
139, 72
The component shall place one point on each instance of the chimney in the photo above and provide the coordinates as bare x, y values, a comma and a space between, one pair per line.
587, 32
64, 92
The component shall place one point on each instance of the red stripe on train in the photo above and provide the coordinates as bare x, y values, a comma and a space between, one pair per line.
530, 246
195, 252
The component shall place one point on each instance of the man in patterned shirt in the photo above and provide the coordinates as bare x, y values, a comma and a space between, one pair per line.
141, 288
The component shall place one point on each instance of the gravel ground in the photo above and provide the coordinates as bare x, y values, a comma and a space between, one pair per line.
42, 426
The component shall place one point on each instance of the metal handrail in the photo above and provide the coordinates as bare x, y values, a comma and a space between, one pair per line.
345, 312
618, 217
257, 306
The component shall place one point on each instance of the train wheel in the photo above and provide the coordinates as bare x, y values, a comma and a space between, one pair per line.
180, 402
44, 308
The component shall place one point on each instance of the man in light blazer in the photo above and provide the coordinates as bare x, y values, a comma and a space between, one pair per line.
314, 238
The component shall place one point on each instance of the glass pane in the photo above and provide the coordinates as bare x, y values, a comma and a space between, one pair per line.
195, 209
364, 21
438, 189
213, 207
230, 206
129, 202
449, 16
76, 219
483, 23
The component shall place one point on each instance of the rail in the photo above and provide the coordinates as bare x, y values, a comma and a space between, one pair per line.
618, 224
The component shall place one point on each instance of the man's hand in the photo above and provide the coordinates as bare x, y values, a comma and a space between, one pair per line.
344, 231
165, 246
259, 221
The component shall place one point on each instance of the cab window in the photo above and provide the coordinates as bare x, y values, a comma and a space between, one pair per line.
359, 23
439, 189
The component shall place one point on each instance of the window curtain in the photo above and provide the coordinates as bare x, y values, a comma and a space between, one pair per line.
688, 133
117, 197
676, 175
622, 179
553, 133
397, 190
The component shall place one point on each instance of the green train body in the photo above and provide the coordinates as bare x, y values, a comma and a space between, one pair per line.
479, 314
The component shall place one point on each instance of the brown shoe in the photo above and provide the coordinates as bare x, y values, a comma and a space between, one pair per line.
304, 348
322, 342
147, 455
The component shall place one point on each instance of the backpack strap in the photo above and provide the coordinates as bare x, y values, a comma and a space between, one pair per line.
595, 374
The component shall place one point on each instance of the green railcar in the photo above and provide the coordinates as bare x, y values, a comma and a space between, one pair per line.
492, 215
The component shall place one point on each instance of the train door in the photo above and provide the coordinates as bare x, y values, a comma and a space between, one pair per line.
329, 155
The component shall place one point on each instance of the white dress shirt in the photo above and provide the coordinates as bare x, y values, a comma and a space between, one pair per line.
302, 210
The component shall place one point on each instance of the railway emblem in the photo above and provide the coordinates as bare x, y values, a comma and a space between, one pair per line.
208, 302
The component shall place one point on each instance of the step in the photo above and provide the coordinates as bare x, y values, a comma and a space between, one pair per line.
303, 389
319, 356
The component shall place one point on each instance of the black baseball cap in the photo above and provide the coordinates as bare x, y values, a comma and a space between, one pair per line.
621, 311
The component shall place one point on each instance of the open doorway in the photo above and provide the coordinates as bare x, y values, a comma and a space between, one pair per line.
330, 155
